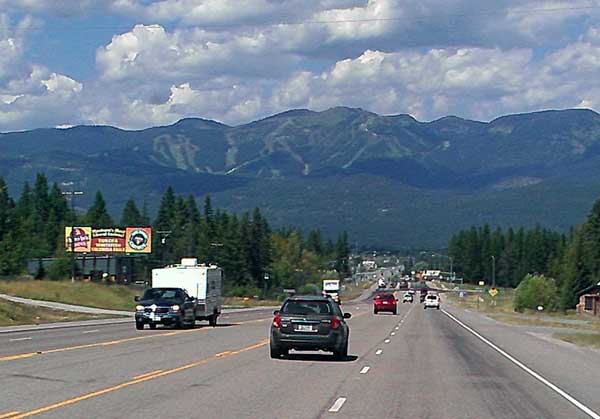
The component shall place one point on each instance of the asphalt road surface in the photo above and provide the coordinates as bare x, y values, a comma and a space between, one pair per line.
417, 364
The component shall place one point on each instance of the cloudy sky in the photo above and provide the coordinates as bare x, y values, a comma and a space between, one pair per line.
141, 63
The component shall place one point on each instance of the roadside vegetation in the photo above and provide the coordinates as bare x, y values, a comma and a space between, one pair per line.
547, 268
257, 260
112, 297
14, 314
582, 339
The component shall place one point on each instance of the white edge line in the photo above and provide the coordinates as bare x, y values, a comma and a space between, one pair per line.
365, 370
387, 341
338, 404
91, 331
19, 339
528, 370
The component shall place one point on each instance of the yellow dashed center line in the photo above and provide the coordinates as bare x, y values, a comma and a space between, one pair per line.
135, 380
116, 342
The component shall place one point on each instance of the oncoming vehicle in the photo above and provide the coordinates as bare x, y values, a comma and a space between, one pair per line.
408, 298
167, 306
385, 302
432, 301
309, 323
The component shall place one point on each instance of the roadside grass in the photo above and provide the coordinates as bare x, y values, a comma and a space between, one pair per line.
581, 339
112, 297
535, 320
501, 309
14, 314
352, 291
245, 302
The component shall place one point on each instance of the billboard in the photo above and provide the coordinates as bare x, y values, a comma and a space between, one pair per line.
82, 239
139, 240
110, 240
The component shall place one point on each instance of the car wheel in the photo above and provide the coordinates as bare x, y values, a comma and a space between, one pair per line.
274, 351
395, 312
179, 323
342, 353
152, 326
424, 307
375, 311
438, 307
139, 325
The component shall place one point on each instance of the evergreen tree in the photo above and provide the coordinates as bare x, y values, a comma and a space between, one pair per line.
131, 216
97, 216
314, 242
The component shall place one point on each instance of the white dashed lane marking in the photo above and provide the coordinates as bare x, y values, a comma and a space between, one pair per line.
365, 370
338, 405
379, 351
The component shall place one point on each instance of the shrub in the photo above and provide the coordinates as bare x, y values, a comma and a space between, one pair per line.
534, 291
59, 269
309, 289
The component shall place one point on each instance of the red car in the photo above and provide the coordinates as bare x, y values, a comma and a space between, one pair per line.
385, 302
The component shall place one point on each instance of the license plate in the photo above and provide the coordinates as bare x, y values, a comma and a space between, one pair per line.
304, 328
385, 302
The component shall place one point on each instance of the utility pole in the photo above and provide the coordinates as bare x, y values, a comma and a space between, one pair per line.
493, 271
72, 193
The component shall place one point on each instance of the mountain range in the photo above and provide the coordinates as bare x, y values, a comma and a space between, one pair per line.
390, 181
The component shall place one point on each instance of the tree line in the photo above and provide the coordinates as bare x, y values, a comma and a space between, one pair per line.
255, 258
567, 263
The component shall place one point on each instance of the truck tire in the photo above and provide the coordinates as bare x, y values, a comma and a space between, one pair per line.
139, 325
212, 320
152, 325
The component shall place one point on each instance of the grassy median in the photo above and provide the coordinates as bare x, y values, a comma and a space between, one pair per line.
14, 314
113, 297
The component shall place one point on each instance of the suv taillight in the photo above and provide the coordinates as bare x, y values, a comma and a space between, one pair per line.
335, 322
277, 321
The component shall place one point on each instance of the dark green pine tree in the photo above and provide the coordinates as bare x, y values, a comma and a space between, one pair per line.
97, 216
314, 242
342, 255
131, 216
7, 208
163, 227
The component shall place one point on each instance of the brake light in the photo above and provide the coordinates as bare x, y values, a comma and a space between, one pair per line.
335, 322
277, 321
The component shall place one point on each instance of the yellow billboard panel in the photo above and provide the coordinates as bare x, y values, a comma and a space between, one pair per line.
78, 239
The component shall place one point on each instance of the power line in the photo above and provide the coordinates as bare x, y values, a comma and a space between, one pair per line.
334, 21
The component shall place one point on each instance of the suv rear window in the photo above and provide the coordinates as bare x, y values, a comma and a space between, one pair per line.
432, 297
385, 296
306, 307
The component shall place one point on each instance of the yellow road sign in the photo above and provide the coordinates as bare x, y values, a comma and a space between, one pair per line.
493, 292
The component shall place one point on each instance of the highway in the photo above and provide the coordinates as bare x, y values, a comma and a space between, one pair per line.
418, 364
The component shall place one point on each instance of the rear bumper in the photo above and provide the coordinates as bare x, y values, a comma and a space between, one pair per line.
306, 342
385, 307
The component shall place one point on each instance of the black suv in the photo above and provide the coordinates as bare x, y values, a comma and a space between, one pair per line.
168, 306
309, 323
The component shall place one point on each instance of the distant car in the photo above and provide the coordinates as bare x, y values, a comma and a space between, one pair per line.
408, 298
432, 301
167, 306
385, 302
309, 323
